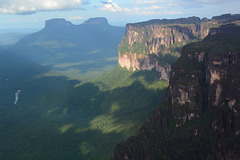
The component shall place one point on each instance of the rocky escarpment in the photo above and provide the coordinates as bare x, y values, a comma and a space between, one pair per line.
157, 43
200, 116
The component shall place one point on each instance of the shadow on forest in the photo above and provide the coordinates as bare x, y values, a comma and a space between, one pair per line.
148, 76
116, 114
66, 122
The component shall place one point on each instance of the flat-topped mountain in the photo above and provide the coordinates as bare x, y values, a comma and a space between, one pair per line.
57, 22
189, 20
97, 20
200, 116
62, 41
157, 43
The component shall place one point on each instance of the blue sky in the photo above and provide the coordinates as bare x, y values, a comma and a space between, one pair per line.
33, 13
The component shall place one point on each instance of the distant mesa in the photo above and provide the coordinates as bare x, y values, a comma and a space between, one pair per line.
63, 41
57, 22
229, 17
97, 20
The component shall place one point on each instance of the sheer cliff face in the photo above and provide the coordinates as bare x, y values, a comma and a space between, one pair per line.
207, 77
149, 45
200, 116
142, 46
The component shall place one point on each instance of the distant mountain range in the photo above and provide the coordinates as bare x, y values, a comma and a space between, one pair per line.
62, 41
10, 38
57, 116
63, 113
85, 50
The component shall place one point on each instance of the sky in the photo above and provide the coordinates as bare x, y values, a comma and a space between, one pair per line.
33, 13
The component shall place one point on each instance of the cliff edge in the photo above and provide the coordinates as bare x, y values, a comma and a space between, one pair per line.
156, 44
200, 116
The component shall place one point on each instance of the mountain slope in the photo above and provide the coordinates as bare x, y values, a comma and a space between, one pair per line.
61, 39
58, 114
64, 119
68, 119
79, 52
199, 118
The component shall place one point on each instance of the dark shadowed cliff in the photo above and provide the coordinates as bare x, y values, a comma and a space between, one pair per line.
200, 116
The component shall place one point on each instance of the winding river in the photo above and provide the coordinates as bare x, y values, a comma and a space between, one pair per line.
16, 96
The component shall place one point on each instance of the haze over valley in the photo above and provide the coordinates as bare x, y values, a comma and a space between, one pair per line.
143, 80
53, 88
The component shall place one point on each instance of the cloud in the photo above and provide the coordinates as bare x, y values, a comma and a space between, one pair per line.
154, 9
151, 2
32, 6
106, 2
158, 13
213, 1
181, 3
75, 18
85, 2
200, 3
172, 12
112, 7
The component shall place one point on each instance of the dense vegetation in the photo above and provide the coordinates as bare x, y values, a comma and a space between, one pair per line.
62, 112
60, 117
189, 20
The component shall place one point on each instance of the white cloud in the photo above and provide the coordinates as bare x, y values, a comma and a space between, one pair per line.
158, 13
113, 7
31, 6
153, 7
151, 2
75, 18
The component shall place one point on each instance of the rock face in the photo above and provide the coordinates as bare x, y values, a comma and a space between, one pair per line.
157, 43
200, 116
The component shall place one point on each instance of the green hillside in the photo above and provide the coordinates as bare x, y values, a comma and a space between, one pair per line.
59, 117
